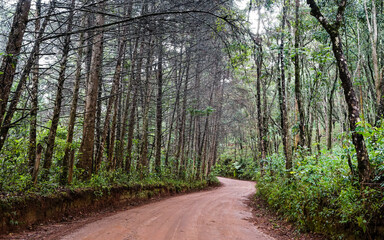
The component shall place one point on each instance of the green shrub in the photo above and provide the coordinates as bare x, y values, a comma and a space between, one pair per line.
321, 195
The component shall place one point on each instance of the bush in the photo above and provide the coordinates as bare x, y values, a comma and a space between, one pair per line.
242, 169
322, 196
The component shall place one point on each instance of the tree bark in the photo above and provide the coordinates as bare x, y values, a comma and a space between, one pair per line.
131, 87
146, 105
300, 109
372, 28
6, 124
159, 109
12, 51
111, 102
87, 144
180, 155
59, 96
330, 111
132, 118
67, 164
34, 98
282, 97
260, 119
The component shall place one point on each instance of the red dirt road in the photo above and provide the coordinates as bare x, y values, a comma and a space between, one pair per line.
220, 214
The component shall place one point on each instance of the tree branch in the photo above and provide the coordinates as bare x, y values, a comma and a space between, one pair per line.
340, 13
136, 19
315, 11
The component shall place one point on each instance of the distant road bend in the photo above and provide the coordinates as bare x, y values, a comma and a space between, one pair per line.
220, 214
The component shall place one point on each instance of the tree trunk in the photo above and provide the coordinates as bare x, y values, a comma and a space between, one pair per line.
372, 28
12, 51
196, 118
146, 106
330, 111
131, 126
67, 166
159, 109
300, 109
87, 144
111, 102
282, 97
180, 155
59, 96
34, 98
131, 87
6, 124
178, 81
112, 161
35, 172
260, 119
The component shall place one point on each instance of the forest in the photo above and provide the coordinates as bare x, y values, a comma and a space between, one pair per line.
96, 94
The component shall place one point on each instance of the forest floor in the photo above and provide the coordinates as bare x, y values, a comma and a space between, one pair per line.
223, 213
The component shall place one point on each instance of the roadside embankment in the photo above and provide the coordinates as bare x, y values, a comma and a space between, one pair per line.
21, 212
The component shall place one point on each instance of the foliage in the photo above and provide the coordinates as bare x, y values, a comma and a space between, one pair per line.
15, 179
375, 144
100, 183
240, 169
322, 195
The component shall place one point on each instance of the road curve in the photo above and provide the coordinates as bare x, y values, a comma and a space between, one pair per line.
219, 214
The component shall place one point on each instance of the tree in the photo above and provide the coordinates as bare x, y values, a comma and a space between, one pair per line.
87, 144
34, 96
352, 101
59, 95
9, 62
298, 96
159, 109
282, 95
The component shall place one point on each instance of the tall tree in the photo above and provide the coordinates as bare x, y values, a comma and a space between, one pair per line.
111, 100
87, 144
34, 98
159, 109
282, 94
297, 75
59, 95
352, 101
68, 159
372, 28
12, 51
6, 124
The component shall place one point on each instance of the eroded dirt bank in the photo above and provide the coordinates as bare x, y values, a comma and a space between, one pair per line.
26, 212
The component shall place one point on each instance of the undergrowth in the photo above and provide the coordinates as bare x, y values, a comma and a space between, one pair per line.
321, 193
15, 179
19, 183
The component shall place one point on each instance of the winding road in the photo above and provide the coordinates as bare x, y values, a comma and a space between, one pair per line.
219, 214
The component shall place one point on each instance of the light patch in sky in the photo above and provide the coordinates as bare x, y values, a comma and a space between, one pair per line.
253, 17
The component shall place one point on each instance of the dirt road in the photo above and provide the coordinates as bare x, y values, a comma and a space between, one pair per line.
219, 214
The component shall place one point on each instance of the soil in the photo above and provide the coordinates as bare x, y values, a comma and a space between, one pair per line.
222, 213
271, 223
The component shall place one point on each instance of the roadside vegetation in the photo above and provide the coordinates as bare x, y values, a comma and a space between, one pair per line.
321, 193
